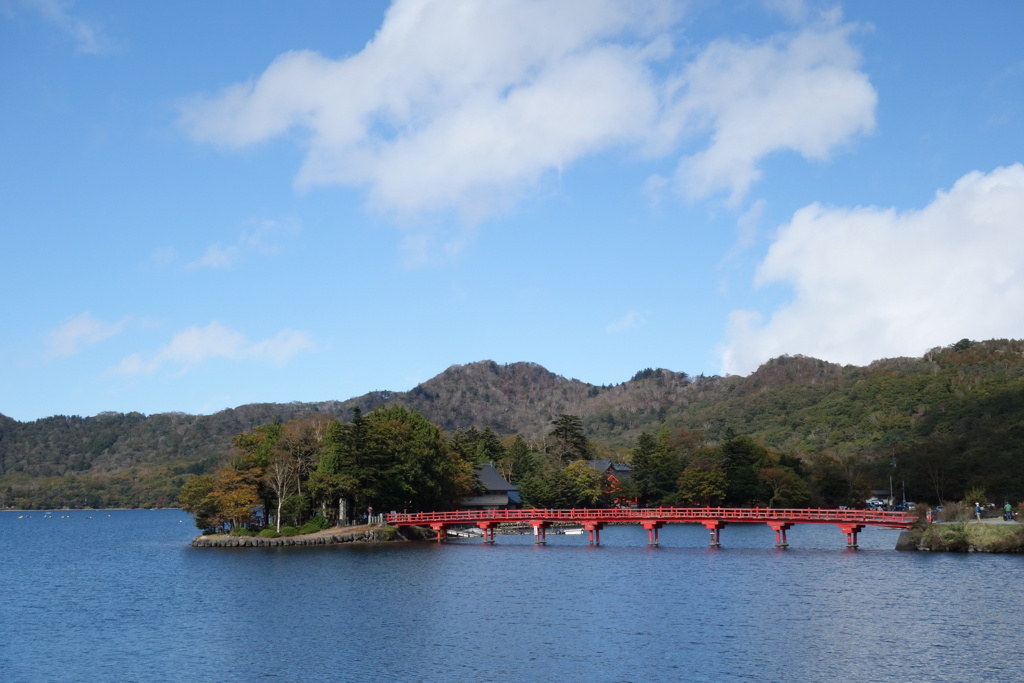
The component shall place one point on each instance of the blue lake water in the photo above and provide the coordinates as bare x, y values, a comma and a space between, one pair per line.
120, 596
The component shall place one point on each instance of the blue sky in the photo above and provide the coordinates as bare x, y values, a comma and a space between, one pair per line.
210, 204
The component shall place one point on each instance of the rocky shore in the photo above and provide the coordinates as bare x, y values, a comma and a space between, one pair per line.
335, 536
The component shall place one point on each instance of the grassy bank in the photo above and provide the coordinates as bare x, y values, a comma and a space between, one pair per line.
968, 538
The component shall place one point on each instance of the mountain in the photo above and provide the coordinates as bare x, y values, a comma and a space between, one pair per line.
964, 400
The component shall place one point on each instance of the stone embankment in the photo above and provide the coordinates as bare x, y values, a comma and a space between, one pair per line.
335, 536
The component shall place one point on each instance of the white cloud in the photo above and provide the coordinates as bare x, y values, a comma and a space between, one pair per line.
259, 239
630, 321
747, 225
872, 283
800, 93
462, 105
82, 330
196, 345
87, 35
794, 11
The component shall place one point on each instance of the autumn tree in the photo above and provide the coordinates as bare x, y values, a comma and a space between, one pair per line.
195, 500
278, 476
227, 498
234, 495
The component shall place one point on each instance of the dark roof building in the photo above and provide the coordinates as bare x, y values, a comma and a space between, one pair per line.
608, 468
497, 493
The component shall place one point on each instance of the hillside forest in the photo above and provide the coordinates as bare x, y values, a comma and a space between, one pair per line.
796, 432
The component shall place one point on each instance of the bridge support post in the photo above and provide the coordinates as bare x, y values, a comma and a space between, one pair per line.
780, 533
652, 531
595, 531
714, 527
851, 531
488, 529
442, 531
540, 531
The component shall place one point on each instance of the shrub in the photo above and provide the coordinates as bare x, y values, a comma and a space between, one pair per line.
955, 537
289, 531
242, 531
314, 525
269, 533
956, 512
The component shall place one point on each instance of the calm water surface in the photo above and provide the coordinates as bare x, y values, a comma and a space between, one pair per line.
121, 596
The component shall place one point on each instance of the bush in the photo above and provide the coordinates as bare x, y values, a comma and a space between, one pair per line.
955, 538
289, 531
269, 533
242, 531
295, 509
956, 512
314, 525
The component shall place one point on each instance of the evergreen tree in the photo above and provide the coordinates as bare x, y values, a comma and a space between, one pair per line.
568, 442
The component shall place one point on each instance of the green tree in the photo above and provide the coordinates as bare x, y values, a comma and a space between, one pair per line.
567, 440
585, 482
742, 457
702, 485
656, 463
420, 470
786, 487
519, 460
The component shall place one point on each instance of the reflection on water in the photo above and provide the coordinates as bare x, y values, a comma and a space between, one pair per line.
123, 598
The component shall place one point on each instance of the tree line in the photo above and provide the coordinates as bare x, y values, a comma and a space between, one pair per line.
315, 472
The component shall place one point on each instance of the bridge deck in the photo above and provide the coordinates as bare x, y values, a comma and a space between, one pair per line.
897, 520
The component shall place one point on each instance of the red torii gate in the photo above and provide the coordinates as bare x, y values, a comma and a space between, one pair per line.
850, 522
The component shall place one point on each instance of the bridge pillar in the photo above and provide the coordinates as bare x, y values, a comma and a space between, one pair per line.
851, 531
442, 531
595, 531
652, 530
488, 528
714, 526
540, 531
780, 533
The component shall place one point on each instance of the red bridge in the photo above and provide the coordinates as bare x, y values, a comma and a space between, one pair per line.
849, 522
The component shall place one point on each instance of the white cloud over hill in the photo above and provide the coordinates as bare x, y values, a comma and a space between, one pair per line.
872, 283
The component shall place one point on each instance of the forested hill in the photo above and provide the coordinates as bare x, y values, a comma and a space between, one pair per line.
955, 402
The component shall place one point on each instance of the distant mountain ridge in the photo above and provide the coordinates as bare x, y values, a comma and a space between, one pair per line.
970, 394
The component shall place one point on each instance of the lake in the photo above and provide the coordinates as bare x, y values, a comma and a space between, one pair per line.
120, 596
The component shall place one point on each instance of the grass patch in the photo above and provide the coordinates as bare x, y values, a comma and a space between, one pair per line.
962, 538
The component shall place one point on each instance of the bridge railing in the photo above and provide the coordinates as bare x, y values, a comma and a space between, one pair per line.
665, 514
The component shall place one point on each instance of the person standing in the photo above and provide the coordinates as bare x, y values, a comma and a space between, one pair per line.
977, 511
1008, 512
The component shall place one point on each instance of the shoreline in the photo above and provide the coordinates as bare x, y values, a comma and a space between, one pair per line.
972, 536
333, 536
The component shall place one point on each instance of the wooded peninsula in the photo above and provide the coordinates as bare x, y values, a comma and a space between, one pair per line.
798, 431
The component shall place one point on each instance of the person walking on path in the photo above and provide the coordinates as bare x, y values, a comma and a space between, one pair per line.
977, 511
1008, 512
